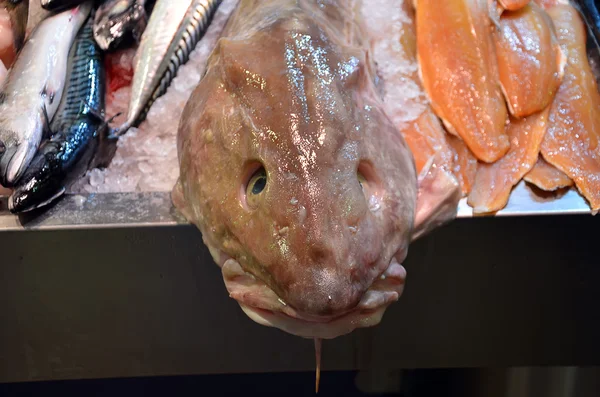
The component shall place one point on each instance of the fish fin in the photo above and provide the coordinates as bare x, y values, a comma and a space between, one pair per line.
47, 121
107, 143
99, 115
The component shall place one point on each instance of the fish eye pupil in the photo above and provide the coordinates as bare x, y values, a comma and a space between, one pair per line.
259, 185
258, 182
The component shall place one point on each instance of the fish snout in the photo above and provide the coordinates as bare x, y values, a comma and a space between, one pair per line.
325, 293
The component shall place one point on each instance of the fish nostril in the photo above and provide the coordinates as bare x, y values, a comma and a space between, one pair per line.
2, 148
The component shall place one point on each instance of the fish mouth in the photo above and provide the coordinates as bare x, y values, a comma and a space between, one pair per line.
265, 307
12, 164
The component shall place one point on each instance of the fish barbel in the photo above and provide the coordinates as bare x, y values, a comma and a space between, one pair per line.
33, 90
174, 29
303, 188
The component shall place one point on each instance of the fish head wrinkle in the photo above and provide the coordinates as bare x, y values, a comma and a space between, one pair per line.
302, 187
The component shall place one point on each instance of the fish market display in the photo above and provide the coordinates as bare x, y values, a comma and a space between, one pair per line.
530, 61
172, 33
75, 130
146, 157
33, 89
115, 19
459, 72
303, 187
59, 5
13, 22
571, 142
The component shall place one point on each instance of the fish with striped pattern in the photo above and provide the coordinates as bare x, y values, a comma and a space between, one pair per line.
173, 30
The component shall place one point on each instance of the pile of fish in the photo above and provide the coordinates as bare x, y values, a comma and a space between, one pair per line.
513, 85
53, 121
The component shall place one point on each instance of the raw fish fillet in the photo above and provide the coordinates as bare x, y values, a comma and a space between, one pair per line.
494, 182
465, 164
571, 142
530, 62
513, 5
459, 73
391, 29
547, 177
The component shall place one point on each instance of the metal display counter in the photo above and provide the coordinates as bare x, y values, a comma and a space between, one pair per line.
118, 285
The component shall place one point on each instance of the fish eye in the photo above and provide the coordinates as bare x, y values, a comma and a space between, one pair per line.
255, 186
361, 179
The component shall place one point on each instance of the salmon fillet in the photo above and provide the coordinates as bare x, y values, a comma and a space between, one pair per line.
571, 143
513, 5
547, 177
426, 137
494, 182
458, 69
530, 61
465, 164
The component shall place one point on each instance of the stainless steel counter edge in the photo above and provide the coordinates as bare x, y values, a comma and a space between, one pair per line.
135, 210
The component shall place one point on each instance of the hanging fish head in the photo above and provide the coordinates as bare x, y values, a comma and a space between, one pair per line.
302, 187
17, 150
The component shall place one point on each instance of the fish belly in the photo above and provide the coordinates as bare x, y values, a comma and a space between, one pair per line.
571, 142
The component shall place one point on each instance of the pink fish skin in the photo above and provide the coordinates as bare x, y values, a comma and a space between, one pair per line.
304, 190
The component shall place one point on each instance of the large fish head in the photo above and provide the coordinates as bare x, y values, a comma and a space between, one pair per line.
303, 189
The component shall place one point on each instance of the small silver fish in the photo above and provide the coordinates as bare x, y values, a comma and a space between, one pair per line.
116, 18
33, 89
172, 33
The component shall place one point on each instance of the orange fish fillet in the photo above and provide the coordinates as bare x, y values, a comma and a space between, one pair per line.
547, 177
425, 137
571, 143
494, 182
458, 69
513, 5
530, 61
465, 164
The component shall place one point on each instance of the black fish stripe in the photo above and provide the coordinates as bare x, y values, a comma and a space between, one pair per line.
199, 21
82, 87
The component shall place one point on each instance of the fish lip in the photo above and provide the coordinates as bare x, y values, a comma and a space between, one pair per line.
7, 174
250, 294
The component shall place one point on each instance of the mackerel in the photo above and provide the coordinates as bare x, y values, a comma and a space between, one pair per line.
173, 30
31, 93
76, 130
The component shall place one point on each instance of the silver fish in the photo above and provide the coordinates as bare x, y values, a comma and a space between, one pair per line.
33, 89
116, 18
174, 29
